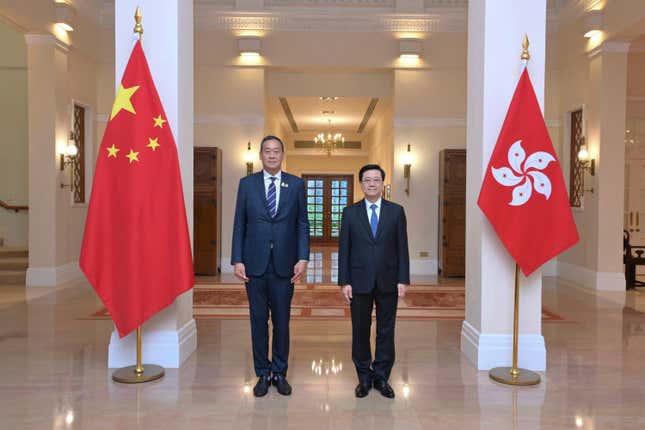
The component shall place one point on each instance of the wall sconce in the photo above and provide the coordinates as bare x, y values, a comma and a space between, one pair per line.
249, 156
64, 15
407, 165
586, 163
593, 23
410, 51
249, 47
69, 158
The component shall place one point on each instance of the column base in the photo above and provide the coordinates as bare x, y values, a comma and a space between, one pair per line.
599, 281
53, 276
167, 348
486, 350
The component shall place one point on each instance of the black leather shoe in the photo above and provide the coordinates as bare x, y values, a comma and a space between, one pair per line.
262, 386
384, 388
280, 382
363, 389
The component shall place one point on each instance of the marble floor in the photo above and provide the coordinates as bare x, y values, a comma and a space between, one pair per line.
54, 373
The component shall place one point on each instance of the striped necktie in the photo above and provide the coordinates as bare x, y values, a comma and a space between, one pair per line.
271, 197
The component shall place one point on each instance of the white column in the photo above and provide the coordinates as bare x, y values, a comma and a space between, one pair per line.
495, 31
48, 103
606, 118
171, 336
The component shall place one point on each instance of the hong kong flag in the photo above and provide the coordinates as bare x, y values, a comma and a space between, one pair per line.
523, 194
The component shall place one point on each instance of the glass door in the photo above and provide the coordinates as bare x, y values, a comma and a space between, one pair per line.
327, 195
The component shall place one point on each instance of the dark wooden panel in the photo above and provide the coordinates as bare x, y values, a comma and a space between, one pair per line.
207, 211
452, 212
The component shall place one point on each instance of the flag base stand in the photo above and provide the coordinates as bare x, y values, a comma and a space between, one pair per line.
129, 375
138, 373
521, 377
514, 375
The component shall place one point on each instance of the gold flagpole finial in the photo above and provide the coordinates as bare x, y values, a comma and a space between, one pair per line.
525, 49
138, 28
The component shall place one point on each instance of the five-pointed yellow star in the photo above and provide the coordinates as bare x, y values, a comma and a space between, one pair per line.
112, 150
133, 156
159, 121
154, 144
122, 100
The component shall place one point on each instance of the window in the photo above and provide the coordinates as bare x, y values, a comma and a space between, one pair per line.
78, 173
576, 179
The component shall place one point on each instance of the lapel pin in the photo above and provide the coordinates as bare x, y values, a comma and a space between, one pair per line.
284, 185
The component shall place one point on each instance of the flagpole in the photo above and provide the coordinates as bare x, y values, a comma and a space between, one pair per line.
514, 375
138, 373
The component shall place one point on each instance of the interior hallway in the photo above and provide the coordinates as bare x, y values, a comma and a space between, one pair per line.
55, 373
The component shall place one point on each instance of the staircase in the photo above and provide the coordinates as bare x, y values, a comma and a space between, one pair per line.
13, 266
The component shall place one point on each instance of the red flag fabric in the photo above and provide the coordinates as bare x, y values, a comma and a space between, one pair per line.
523, 194
136, 249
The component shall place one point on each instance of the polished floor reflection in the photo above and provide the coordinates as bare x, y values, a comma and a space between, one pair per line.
54, 373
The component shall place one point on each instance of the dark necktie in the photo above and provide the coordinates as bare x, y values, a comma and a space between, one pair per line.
271, 197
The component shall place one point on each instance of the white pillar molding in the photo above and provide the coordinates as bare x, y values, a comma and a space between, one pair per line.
170, 337
48, 127
606, 143
495, 31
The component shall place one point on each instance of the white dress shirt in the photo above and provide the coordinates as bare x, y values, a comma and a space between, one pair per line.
278, 185
369, 209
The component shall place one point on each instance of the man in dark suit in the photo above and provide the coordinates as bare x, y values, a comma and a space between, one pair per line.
270, 253
373, 268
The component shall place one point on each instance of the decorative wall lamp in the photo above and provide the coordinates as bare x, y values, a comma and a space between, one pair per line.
586, 163
249, 47
69, 158
410, 51
64, 15
249, 157
593, 23
407, 165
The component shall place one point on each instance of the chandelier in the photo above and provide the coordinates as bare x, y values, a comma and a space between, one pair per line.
329, 141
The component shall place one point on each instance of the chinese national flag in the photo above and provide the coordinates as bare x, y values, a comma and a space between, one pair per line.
523, 195
136, 250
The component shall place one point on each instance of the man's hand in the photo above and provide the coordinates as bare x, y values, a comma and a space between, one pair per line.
402, 289
299, 270
240, 272
346, 291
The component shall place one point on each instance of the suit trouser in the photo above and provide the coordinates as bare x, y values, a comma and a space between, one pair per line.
361, 307
270, 292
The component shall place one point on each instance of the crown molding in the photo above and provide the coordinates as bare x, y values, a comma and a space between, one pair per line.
609, 47
429, 122
32, 39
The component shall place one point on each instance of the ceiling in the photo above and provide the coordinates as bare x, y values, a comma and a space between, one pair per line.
312, 113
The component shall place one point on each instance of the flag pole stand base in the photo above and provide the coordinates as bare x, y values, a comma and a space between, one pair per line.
522, 377
129, 375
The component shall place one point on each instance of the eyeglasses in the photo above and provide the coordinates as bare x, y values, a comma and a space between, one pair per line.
372, 181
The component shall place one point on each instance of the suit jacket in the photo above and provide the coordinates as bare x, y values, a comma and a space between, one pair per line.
256, 234
366, 262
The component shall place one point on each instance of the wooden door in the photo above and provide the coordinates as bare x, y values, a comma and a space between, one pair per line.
207, 210
327, 195
635, 204
452, 212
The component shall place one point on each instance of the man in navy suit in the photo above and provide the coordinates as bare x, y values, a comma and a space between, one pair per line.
270, 253
373, 268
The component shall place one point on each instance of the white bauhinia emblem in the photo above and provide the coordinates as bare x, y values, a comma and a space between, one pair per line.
525, 178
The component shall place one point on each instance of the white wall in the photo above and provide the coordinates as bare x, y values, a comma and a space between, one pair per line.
13, 145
